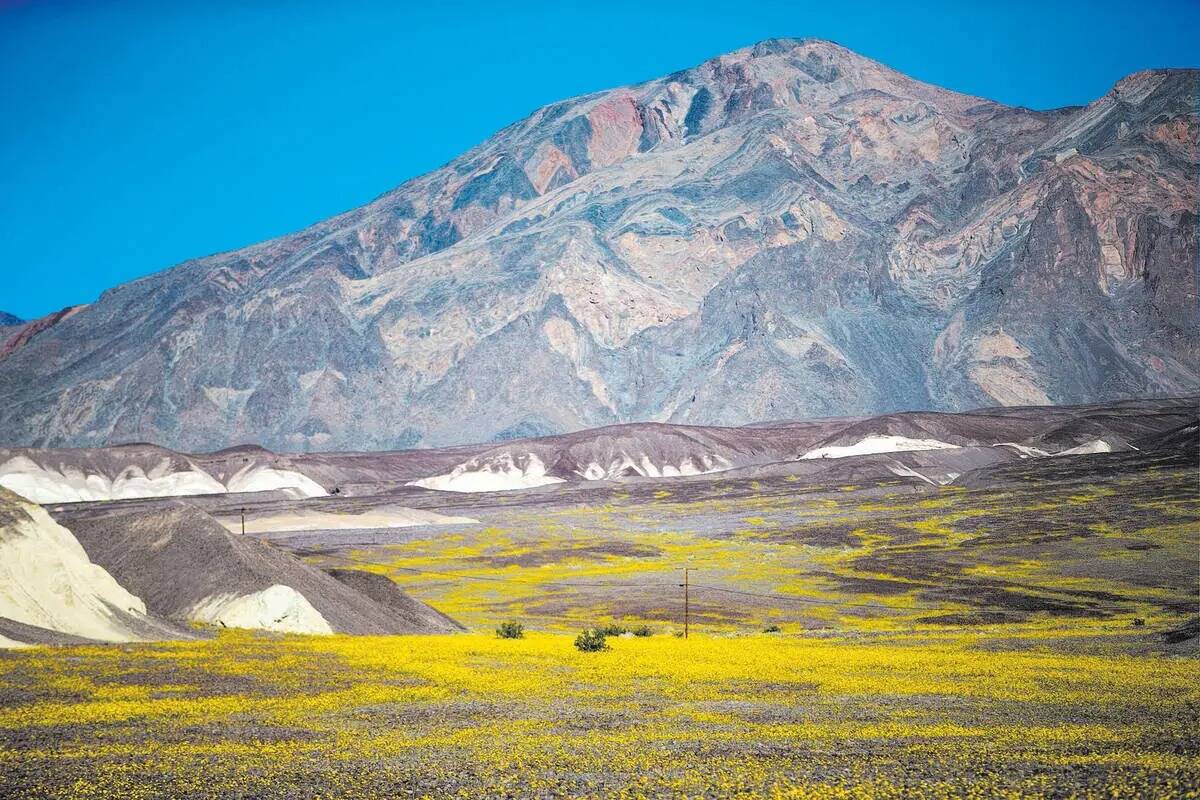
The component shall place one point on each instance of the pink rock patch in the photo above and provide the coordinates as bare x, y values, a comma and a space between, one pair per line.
545, 164
616, 129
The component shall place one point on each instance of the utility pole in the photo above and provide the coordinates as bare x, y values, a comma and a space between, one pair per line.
243, 522
686, 607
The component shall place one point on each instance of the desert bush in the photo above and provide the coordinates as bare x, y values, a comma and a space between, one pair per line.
642, 630
611, 629
510, 630
772, 629
591, 641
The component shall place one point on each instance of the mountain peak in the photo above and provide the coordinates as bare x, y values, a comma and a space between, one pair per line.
787, 44
789, 230
800, 71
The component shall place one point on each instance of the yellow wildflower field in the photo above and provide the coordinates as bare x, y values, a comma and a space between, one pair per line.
949, 714
1030, 638
855, 558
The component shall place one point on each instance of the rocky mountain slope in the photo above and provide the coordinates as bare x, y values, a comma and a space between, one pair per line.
787, 231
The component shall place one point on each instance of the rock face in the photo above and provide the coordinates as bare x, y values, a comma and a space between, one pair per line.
187, 567
49, 586
132, 471
789, 230
383, 590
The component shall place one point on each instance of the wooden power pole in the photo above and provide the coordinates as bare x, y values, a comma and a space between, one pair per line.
686, 604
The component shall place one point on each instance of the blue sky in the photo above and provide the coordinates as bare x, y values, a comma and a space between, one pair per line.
137, 135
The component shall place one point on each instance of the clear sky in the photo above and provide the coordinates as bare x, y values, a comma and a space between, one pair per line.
137, 135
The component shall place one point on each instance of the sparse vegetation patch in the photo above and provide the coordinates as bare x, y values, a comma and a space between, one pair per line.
510, 630
591, 640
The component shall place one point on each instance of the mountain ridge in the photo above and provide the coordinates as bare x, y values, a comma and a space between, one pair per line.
786, 230
9, 319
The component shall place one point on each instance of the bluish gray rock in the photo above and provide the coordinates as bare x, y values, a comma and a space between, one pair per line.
790, 230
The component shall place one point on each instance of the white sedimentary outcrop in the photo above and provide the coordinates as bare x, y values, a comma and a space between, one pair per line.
69, 484
1087, 449
500, 474
506, 471
878, 444
643, 466
264, 479
48, 581
277, 608
305, 520
1025, 451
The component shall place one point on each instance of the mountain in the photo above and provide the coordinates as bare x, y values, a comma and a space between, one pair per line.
8, 320
787, 231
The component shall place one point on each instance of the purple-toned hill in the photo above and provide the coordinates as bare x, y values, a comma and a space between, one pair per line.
786, 231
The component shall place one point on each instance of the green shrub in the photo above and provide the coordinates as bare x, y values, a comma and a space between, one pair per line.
772, 629
510, 630
591, 641
611, 629
642, 630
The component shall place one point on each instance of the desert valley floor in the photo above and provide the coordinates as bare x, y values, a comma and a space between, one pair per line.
1008, 610
637, 449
